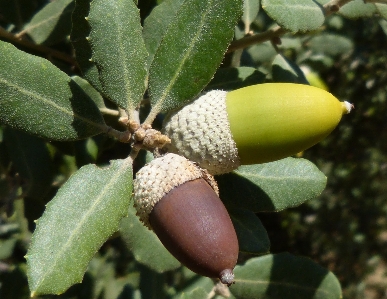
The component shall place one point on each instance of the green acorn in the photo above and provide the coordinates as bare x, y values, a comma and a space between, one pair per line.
256, 124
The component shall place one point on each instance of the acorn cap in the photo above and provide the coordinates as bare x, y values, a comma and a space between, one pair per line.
160, 176
201, 131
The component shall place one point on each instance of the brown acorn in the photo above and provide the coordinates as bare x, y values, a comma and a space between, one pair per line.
180, 203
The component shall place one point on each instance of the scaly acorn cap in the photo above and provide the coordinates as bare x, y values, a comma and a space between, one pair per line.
255, 124
159, 177
201, 132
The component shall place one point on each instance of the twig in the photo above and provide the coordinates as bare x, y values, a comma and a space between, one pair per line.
109, 111
5, 35
124, 137
255, 39
329, 8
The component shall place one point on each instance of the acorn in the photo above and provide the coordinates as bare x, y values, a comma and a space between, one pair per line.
256, 124
179, 201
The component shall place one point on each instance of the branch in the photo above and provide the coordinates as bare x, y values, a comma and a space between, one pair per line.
271, 34
334, 6
124, 137
5, 35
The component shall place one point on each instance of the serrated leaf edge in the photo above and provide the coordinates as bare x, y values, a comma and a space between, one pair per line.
126, 163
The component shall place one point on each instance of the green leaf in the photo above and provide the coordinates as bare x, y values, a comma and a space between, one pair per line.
52, 23
284, 70
38, 98
283, 275
234, 78
197, 293
295, 15
90, 91
186, 59
156, 24
121, 59
79, 32
152, 284
31, 159
145, 245
250, 12
382, 9
252, 235
383, 24
357, 9
85, 151
261, 53
6, 247
196, 283
330, 44
83, 214
271, 186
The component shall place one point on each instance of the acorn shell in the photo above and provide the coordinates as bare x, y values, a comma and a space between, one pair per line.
272, 121
193, 224
160, 176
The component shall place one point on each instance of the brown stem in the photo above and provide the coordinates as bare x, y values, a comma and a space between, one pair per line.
256, 39
271, 34
5, 35
124, 137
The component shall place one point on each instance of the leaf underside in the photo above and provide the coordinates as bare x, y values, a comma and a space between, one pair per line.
295, 15
85, 212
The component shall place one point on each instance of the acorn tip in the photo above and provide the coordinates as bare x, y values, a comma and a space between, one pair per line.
347, 107
227, 277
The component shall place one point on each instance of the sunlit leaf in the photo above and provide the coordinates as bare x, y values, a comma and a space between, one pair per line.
271, 186
156, 24
83, 214
118, 50
357, 9
295, 15
191, 50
